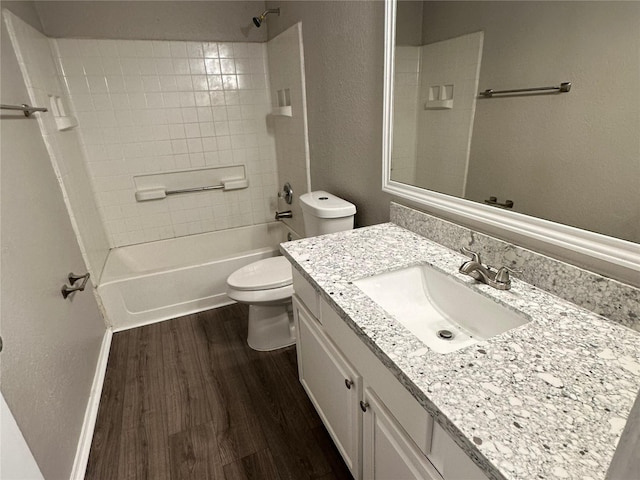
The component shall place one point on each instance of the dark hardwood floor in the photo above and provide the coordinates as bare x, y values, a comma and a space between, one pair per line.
187, 398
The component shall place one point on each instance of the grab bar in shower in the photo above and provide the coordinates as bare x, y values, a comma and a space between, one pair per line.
562, 88
156, 193
195, 189
28, 110
231, 184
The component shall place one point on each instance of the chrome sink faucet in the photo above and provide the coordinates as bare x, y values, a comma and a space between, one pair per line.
499, 278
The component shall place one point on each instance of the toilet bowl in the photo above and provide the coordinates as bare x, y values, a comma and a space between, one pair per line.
267, 285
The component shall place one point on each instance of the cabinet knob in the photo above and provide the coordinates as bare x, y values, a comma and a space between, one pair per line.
364, 406
348, 383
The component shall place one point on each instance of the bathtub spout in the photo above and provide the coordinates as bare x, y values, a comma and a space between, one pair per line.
281, 215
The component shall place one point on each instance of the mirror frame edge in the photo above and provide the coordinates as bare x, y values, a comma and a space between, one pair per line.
591, 248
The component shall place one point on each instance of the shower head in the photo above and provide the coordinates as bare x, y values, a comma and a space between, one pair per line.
257, 21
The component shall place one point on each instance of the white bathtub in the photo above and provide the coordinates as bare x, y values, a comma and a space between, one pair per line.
155, 281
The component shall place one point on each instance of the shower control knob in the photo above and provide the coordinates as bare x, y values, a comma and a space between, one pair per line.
287, 193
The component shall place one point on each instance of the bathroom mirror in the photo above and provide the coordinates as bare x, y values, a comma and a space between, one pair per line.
569, 161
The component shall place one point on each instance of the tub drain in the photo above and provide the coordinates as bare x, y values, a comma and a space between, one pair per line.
445, 334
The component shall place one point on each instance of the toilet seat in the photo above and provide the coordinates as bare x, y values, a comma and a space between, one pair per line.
267, 287
262, 297
267, 274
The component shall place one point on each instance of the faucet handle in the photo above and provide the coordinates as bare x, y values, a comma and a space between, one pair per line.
473, 255
502, 275
287, 193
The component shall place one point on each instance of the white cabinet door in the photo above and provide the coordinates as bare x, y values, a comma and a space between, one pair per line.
332, 385
387, 452
451, 461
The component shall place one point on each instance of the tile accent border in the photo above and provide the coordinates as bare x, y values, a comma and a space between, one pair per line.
614, 300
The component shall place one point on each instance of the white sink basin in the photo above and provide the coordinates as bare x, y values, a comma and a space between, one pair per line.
427, 302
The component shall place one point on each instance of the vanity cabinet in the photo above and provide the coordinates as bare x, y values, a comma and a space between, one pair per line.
359, 401
379, 428
331, 383
387, 451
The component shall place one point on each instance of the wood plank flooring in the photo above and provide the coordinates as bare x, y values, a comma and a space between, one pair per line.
188, 399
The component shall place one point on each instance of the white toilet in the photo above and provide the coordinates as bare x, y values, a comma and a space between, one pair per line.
267, 285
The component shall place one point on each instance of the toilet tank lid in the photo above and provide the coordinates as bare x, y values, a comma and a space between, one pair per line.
325, 205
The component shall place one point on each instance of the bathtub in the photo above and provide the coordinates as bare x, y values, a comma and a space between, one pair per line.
155, 281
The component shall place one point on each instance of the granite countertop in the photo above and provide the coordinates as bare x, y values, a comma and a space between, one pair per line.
548, 399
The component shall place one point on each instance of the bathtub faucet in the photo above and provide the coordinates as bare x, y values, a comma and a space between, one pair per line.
281, 215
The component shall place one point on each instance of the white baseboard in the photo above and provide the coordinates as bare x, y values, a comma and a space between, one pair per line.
91, 413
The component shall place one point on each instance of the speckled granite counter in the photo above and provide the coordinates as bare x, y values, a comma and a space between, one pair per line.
546, 400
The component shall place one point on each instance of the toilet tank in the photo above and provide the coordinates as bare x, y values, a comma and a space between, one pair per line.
326, 213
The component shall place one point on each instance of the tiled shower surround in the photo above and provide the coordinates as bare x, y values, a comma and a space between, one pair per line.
286, 71
437, 161
41, 77
148, 107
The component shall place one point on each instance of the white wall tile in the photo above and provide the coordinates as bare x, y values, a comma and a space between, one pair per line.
77, 84
164, 66
161, 49
168, 83
37, 58
181, 66
130, 66
225, 50
210, 49
286, 70
442, 155
147, 66
97, 84
183, 83
148, 107
189, 115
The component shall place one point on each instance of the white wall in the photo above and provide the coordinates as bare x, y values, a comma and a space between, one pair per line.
150, 107
50, 344
217, 21
40, 73
344, 44
286, 71
571, 158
